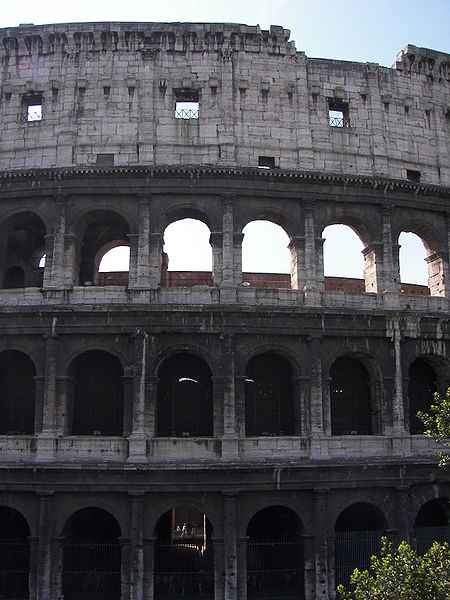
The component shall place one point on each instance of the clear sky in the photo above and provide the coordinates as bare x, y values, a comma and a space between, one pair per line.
358, 30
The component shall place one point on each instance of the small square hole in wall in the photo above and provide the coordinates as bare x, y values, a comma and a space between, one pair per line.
412, 175
31, 109
266, 162
338, 114
187, 105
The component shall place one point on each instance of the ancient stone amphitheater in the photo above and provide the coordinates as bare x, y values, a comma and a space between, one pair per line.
214, 435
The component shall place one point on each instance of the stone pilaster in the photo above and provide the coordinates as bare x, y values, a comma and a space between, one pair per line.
137, 546
137, 439
321, 542
44, 563
230, 547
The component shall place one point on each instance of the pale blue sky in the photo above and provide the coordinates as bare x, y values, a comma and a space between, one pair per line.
358, 30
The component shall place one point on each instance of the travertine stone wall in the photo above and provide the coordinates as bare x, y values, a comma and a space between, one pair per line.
108, 89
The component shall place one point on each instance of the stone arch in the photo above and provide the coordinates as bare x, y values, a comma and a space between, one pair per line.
432, 523
427, 374
98, 394
188, 256
275, 215
18, 393
118, 276
70, 360
263, 268
269, 396
95, 230
436, 250
23, 235
358, 532
185, 397
91, 554
199, 351
266, 502
184, 554
187, 210
14, 553
163, 507
348, 381
274, 557
366, 234
247, 351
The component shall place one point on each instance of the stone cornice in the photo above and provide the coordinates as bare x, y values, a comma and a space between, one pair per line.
385, 185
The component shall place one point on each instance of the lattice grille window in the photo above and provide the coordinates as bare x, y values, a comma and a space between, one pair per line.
31, 109
338, 114
187, 105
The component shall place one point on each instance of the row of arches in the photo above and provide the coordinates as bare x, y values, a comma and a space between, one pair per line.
90, 546
185, 396
103, 253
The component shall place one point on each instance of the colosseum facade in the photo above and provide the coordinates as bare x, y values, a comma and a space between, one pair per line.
214, 435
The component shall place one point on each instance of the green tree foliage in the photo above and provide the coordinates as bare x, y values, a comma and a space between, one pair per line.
402, 575
437, 423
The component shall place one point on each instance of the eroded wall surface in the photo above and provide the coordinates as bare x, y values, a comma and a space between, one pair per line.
108, 94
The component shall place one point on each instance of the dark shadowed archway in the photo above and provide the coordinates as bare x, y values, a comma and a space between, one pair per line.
91, 556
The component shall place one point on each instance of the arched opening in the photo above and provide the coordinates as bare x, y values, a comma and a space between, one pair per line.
185, 397
98, 398
432, 524
351, 405
412, 264
184, 555
275, 566
103, 230
268, 396
24, 237
113, 265
343, 261
266, 258
187, 254
91, 556
359, 530
14, 554
17, 394
421, 389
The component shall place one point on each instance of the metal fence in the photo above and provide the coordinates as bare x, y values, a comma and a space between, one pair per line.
426, 536
339, 121
91, 570
275, 568
184, 571
14, 568
186, 113
353, 550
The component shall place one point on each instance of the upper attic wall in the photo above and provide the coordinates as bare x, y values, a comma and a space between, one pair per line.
108, 92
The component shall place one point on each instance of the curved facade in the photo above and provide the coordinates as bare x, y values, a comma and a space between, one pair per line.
217, 434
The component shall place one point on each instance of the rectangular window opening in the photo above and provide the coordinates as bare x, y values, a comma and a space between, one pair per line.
266, 162
31, 109
412, 175
338, 115
187, 104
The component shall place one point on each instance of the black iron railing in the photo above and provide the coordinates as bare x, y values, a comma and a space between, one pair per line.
186, 113
184, 571
275, 568
14, 568
353, 550
91, 570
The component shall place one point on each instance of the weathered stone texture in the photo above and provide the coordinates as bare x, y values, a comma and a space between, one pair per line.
110, 88
110, 165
